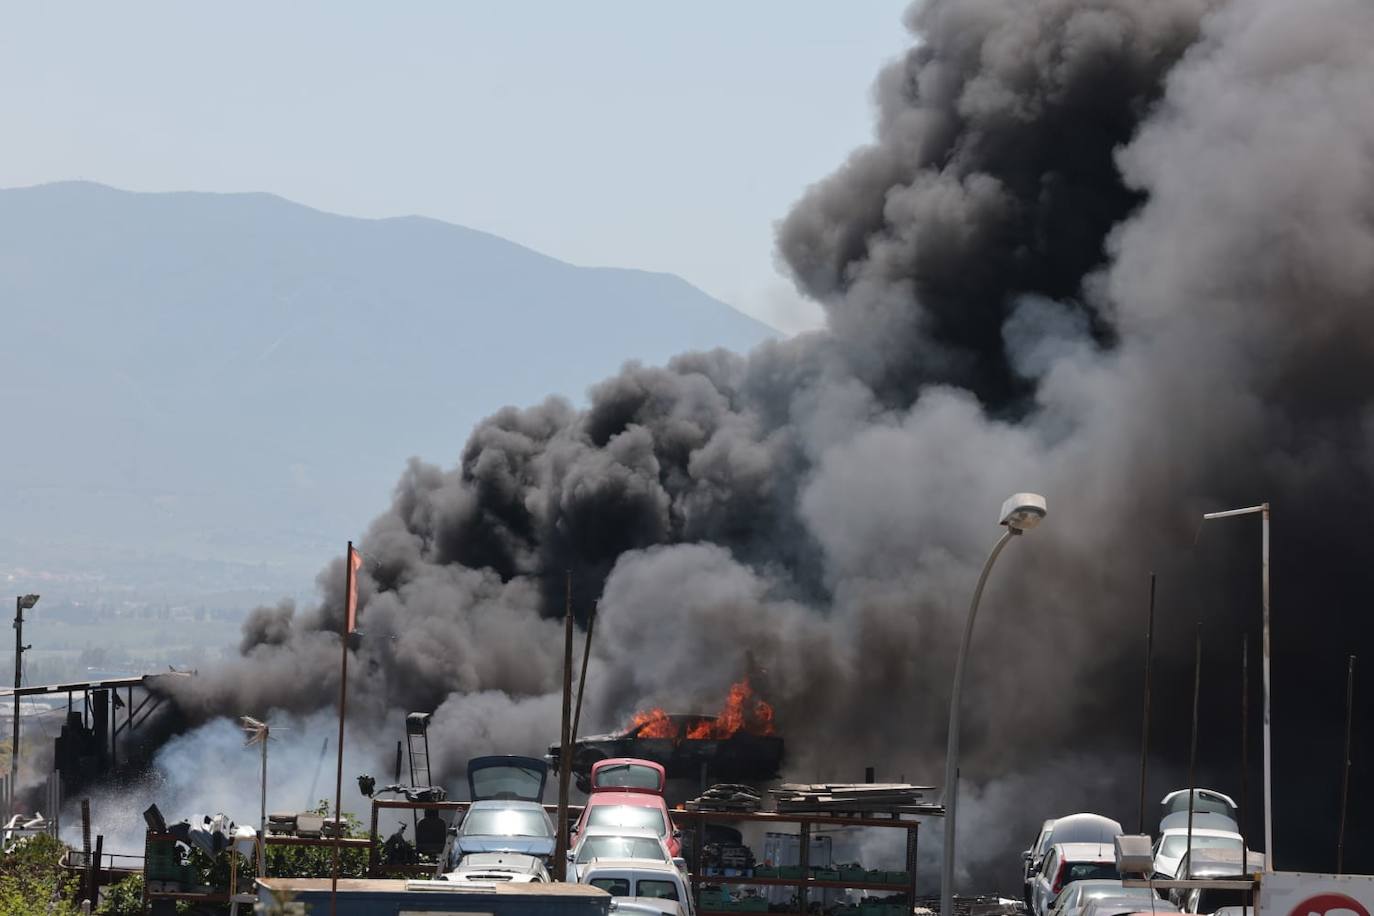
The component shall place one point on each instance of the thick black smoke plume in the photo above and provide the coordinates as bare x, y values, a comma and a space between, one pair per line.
1121, 253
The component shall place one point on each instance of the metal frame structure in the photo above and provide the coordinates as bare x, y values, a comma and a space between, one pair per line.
804, 822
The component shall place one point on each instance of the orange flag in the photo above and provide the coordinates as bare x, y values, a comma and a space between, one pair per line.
355, 563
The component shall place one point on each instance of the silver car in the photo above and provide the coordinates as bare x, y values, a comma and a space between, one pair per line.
505, 826
1075, 898
618, 843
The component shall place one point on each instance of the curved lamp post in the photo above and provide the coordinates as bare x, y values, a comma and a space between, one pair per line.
1020, 513
22, 603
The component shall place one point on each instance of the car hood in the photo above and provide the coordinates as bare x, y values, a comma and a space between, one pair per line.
526, 845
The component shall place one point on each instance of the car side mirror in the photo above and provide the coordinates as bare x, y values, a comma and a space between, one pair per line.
570, 856
677, 834
680, 862
1026, 856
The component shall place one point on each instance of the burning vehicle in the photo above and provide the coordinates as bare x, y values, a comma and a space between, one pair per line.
736, 745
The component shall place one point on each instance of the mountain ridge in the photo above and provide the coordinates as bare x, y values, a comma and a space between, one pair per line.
210, 373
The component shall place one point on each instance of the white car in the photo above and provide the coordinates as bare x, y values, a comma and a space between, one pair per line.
619, 843
634, 880
1069, 862
1172, 845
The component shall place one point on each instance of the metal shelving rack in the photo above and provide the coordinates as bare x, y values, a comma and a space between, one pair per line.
805, 823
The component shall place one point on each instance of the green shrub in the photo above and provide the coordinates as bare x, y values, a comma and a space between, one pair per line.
123, 899
32, 879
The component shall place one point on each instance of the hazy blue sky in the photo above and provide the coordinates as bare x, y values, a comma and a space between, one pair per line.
636, 134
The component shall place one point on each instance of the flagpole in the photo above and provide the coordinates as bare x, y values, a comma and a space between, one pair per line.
343, 706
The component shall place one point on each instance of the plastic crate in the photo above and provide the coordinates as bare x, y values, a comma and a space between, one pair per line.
854, 873
765, 871
789, 871
826, 874
898, 877
712, 899
753, 905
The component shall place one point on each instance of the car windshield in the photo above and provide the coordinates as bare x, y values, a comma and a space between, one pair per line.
506, 822
1087, 871
616, 887
635, 816
507, 782
664, 890
628, 776
1177, 844
620, 847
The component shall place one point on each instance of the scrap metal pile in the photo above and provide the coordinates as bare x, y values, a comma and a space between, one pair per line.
853, 798
727, 797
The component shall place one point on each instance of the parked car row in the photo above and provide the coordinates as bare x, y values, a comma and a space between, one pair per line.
1070, 869
625, 841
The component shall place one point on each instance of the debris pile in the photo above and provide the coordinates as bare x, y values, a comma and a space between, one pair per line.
727, 797
853, 798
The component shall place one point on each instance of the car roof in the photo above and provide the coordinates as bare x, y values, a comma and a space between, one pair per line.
1087, 852
1084, 828
505, 804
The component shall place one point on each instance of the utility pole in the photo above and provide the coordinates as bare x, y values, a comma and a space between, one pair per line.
21, 604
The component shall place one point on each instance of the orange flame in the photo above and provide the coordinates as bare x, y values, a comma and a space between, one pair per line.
743, 711
655, 721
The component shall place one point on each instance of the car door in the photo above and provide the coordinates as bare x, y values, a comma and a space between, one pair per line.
1044, 881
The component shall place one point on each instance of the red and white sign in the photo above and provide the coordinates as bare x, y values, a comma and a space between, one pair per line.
1291, 893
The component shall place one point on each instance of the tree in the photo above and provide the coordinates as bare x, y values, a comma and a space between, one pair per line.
32, 879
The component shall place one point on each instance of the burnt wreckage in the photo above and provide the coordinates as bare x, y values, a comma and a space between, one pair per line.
687, 746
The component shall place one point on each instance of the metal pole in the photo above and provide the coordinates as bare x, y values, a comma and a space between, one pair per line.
1145, 718
560, 861
1268, 756
262, 814
343, 706
1192, 750
1263, 510
952, 748
582, 681
14, 740
1345, 772
1244, 745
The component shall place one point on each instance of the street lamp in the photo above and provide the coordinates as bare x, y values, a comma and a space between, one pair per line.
21, 604
1020, 513
1263, 510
